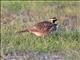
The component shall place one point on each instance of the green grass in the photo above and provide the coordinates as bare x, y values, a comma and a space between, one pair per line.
62, 41
59, 41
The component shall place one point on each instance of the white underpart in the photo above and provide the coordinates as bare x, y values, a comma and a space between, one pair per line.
57, 27
37, 33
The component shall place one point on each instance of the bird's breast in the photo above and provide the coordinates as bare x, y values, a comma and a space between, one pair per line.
39, 33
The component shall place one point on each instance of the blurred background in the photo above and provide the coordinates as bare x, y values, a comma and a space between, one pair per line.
29, 13
18, 15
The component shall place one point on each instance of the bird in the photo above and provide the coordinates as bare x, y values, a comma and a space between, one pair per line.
42, 28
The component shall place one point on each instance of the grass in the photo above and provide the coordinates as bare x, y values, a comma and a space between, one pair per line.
16, 16
59, 41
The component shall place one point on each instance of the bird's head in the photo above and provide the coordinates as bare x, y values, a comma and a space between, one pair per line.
53, 20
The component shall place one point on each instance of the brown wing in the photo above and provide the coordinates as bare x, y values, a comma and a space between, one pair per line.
41, 26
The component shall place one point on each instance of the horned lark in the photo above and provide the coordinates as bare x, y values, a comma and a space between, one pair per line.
42, 28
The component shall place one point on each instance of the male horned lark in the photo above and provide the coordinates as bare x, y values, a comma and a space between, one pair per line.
42, 28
